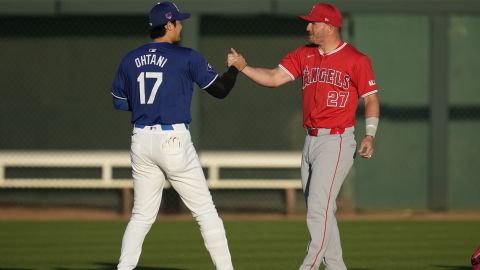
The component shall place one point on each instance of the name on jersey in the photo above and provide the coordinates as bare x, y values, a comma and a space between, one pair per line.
150, 59
325, 75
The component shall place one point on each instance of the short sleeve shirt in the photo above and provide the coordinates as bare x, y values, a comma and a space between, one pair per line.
157, 80
331, 83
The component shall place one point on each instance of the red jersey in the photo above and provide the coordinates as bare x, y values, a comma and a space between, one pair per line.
331, 83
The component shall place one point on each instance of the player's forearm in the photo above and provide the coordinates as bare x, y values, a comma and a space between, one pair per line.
372, 106
263, 76
221, 87
372, 113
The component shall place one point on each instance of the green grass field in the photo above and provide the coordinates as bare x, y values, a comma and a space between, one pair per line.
255, 245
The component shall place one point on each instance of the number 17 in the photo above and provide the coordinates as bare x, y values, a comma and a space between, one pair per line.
141, 81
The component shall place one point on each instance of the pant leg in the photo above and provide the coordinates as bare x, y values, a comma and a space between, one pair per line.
148, 183
190, 183
333, 259
327, 161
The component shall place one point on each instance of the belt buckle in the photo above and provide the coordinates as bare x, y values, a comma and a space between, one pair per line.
313, 131
336, 131
166, 127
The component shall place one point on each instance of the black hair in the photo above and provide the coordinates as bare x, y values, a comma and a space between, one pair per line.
159, 31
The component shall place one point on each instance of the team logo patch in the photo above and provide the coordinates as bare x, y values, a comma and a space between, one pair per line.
152, 50
371, 82
209, 67
168, 15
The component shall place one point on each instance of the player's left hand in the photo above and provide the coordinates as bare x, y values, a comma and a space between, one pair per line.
366, 147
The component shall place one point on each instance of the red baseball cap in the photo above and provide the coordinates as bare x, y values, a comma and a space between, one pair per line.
326, 13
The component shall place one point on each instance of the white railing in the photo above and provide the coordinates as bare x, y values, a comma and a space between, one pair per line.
104, 160
214, 161
108, 160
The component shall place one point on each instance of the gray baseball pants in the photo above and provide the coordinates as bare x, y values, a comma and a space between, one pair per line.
326, 161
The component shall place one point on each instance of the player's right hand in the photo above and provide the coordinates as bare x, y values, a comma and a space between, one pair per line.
236, 59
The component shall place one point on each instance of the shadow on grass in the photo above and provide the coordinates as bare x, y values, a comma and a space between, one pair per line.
101, 266
453, 267
111, 266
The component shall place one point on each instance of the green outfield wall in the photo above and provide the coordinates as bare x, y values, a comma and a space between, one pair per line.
58, 59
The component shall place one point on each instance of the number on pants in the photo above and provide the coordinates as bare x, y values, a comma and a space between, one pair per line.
337, 99
141, 81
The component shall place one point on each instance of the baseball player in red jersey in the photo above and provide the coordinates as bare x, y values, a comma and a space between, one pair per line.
334, 75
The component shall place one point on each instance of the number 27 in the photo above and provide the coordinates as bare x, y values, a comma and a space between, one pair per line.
337, 99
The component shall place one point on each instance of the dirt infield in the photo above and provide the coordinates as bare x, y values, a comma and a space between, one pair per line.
33, 213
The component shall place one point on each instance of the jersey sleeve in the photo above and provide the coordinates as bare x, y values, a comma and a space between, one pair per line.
364, 78
119, 84
291, 64
202, 73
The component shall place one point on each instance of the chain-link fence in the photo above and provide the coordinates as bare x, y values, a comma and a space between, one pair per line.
55, 89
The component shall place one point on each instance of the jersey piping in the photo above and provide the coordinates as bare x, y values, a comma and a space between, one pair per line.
288, 72
334, 51
369, 93
117, 96
210, 83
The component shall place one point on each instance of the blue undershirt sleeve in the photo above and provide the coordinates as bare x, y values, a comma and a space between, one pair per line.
121, 104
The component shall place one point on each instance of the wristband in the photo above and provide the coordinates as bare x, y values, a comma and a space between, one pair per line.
371, 124
246, 64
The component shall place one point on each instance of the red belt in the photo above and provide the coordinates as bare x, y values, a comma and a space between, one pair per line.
314, 131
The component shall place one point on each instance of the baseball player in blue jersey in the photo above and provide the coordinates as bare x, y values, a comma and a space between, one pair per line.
155, 82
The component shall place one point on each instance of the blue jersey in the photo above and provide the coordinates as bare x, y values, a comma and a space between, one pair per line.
157, 81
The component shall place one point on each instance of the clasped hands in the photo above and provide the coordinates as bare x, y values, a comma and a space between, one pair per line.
235, 59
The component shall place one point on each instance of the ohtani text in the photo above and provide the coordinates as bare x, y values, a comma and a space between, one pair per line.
150, 59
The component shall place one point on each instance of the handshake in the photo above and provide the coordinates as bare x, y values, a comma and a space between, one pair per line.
235, 59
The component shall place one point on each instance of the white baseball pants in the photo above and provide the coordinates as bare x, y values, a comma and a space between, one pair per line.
157, 156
